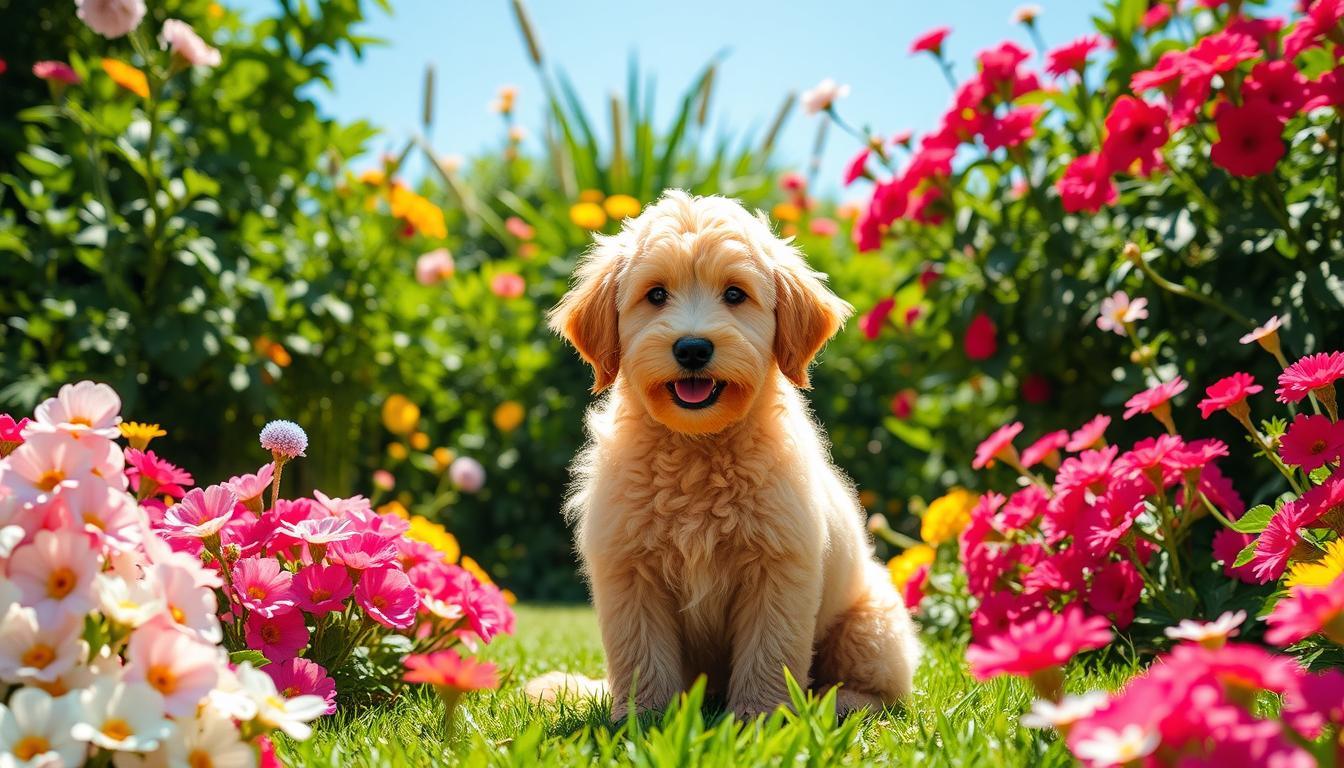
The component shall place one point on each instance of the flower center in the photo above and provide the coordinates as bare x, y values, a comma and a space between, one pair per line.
177, 614
379, 601
162, 678
50, 479
256, 593
82, 421
117, 729
93, 520
290, 691
1318, 447
270, 633
321, 595
60, 583
38, 656
199, 758
29, 747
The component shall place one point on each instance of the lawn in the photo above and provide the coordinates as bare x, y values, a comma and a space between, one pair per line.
950, 721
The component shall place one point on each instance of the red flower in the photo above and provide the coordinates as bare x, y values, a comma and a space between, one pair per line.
1153, 399
1311, 442
1250, 138
1327, 91
903, 404
1036, 389
1228, 392
1071, 57
931, 41
981, 340
1322, 18
1312, 372
1265, 31
999, 64
1279, 84
1135, 131
872, 321
1170, 67
1086, 185
445, 669
1223, 51
1156, 16
1012, 129
857, 166
999, 445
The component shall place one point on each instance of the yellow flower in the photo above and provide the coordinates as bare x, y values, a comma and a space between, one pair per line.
396, 451
127, 77
588, 215
394, 507
372, 177
1322, 572
419, 441
904, 565
509, 597
424, 216
442, 458
436, 536
138, 434
508, 416
475, 569
786, 212
947, 516
591, 196
621, 207
400, 415
215, 10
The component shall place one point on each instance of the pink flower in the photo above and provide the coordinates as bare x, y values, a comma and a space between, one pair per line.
363, 551
1156, 16
999, 64
1115, 591
1227, 544
507, 285
1086, 185
178, 37
200, 514
1117, 311
1228, 393
278, 637
1278, 84
903, 404
1038, 643
301, 677
519, 228
1046, 446
11, 431
467, 474
1311, 373
998, 446
1250, 138
263, 587
1014, 128
1135, 132
1321, 19
322, 589
384, 480
874, 319
111, 18
387, 597
981, 340
177, 665
822, 96
857, 166
81, 409
46, 464
445, 669
151, 475
1306, 611
913, 591
1071, 57
54, 573
250, 488
1271, 326
931, 41
1155, 398
1311, 442
822, 226
434, 266
1090, 435
1280, 537
1224, 51
56, 72
320, 530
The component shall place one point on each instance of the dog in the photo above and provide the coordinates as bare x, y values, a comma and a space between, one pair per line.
716, 534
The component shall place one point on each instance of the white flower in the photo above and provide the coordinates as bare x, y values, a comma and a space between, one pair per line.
111, 18
124, 717
1107, 747
825, 94
190, 605
210, 739
85, 408
319, 530
39, 650
1027, 14
35, 731
1210, 634
128, 603
1117, 310
182, 40
44, 465
275, 711
230, 699
1071, 709
55, 572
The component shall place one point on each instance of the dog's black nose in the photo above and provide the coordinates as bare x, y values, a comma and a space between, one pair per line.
693, 353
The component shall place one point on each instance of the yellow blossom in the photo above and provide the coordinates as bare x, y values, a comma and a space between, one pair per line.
475, 569
436, 536
904, 565
591, 196
400, 415
1322, 572
621, 207
588, 215
508, 416
127, 77
372, 177
215, 11
509, 597
138, 434
419, 441
396, 451
786, 212
947, 516
393, 507
442, 458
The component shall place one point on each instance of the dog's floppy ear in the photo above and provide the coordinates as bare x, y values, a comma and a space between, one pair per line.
807, 314
586, 316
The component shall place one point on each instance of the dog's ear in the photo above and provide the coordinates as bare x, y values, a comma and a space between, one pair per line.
586, 316
807, 314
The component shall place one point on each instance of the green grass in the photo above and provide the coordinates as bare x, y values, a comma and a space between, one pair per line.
951, 720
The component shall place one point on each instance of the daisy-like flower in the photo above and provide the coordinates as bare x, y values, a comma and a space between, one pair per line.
44, 465
1281, 538
1313, 374
106, 513
1321, 572
998, 446
111, 18
128, 603
823, 96
1229, 394
1063, 714
262, 586
11, 433
250, 488
1307, 611
1210, 634
320, 530
1045, 449
81, 409
151, 475
1038, 646
1267, 336
180, 667
278, 637
284, 439
302, 677
363, 551
1026, 14
36, 649
178, 37
447, 670
1089, 436
200, 514
387, 597
1127, 746
1156, 401
191, 607
210, 739
289, 715
35, 731
1118, 312
139, 435
122, 717
1312, 442
322, 589
55, 573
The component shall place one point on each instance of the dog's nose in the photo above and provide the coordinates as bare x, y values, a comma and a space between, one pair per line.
693, 353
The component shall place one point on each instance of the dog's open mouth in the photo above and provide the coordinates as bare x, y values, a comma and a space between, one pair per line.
693, 394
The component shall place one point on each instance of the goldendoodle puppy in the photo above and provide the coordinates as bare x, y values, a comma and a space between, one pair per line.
716, 534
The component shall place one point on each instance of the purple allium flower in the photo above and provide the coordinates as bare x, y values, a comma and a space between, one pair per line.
285, 438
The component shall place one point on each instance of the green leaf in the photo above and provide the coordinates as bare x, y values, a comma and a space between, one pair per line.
1255, 519
1245, 555
250, 656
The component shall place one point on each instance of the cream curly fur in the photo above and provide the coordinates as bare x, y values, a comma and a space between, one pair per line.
720, 541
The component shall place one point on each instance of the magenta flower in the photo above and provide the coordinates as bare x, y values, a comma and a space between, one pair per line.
200, 514
363, 551
56, 72
11, 433
284, 439
263, 587
1307, 611
873, 320
1090, 435
1115, 591
1228, 394
998, 445
387, 597
1280, 538
279, 637
150, 475
1311, 373
1155, 399
1071, 57
301, 677
1227, 544
1045, 447
857, 166
250, 488
1039, 643
931, 41
322, 589
1311, 442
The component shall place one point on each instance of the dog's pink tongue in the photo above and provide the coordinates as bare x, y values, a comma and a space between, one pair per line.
694, 390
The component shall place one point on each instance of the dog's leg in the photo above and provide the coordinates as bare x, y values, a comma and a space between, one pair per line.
640, 636
872, 651
774, 620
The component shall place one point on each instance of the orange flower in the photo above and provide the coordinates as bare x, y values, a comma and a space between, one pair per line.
424, 216
445, 669
127, 77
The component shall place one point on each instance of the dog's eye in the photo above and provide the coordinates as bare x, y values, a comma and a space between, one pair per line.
734, 295
657, 296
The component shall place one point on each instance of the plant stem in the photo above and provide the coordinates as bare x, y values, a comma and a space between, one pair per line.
1183, 292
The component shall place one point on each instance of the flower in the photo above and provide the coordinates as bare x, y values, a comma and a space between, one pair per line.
56, 72
931, 41
111, 18
999, 445
138, 434
913, 591
321, 530
1154, 399
1210, 634
981, 340
301, 677
508, 415
1319, 573
873, 320
1090, 435
1037, 643
1311, 442
1086, 184
322, 589
384, 480
621, 207
1263, 334
123, 717
1071, 57
400, 415
250, 488
903, 566
55, 573
284, 439
1311, 373
857, 166
35, 730
445, 669
947, 516
11, 433
1250, 138
1278, 84
178, 37
433, 266
210, 739
1117, 311
823, 96
1229, 394
201, 513
1064, 713
586, 215
1046, 448
1026, 14
1128, 746
289, 715
1280, 537
80, 409
419, 214
127, 77
1307, 611
44, 465
1135, 132
519, 228
278, 637
364, 550
387, 597
1116, 587
1227, 545
180, 667
903, 404
262, 586
40, 648
822, 226
128, 603
507, 285
467, 474
151, 475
